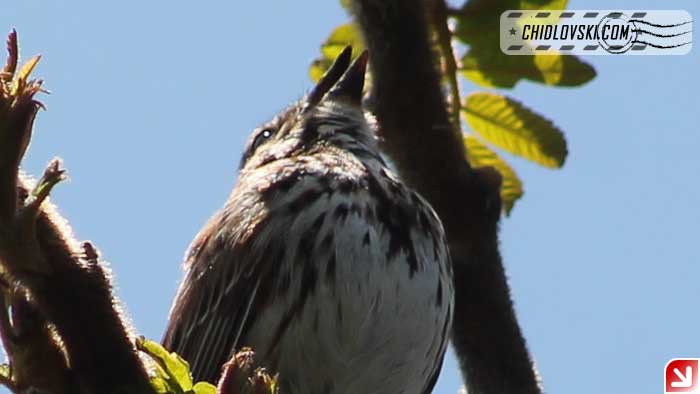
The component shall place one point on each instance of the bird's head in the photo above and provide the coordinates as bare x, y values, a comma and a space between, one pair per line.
329, 116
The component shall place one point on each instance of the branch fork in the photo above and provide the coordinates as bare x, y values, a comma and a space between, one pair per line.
59, 321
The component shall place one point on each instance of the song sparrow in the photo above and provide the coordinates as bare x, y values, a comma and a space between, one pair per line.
332, 270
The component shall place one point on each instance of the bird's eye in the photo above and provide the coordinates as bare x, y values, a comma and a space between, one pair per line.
262, 137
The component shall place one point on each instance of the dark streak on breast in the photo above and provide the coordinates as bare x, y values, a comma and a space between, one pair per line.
341, 211
330, 267
398, 220
305, 199
309, 278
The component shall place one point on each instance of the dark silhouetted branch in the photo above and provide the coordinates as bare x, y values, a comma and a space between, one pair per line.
418, 135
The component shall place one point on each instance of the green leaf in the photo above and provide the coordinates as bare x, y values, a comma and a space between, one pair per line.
204, 388
562, 70
340, 37
174, 370
479, 155
514, 128
478, 20
5, 371
496, 69
485, 64
160, 385
318, 68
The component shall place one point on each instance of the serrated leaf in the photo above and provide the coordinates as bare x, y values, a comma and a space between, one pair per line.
496, 69
340, 37
175, 370
204, 388
479, 155
514, 128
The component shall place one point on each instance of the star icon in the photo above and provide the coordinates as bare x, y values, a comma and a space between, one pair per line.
512, 31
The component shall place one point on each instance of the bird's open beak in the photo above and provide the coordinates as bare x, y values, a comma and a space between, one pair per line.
332, 75
342, 81
350, 85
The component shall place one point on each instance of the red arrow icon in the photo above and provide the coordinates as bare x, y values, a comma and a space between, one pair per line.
681, 376
686, 380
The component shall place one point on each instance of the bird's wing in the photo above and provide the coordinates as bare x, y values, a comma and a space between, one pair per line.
213, 306
233, 268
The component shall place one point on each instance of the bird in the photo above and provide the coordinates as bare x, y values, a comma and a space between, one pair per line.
321, 260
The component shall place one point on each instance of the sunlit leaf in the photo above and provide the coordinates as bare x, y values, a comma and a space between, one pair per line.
479, 155
5, 371
495, 69
28, 67
562, 70
160, 385
23, 75
342, 36
175, 369
514, 128
318, 68
204, 388
485, 64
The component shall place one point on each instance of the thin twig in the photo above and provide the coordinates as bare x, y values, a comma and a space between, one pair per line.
444, 38
53, 174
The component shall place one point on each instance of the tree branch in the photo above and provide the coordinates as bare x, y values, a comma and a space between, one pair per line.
66, 286
36, 359
444, 40
421, 140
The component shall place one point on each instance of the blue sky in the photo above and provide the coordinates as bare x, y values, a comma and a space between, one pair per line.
151, 103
